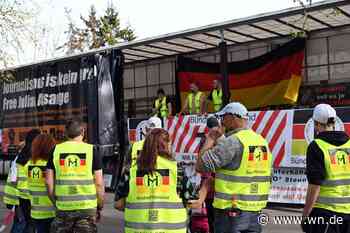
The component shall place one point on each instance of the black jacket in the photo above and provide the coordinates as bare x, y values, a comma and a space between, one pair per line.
315, 168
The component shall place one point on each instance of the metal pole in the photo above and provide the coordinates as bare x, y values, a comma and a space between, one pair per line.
223, 69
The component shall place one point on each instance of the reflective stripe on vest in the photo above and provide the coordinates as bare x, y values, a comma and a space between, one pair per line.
156, 226
197, 102
41, 205
247, 187
335, 190
10, 192
153, 203
217, 99
162, 107
74, 189
135, 151
22, 181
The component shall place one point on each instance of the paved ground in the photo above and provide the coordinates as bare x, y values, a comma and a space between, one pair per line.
112, 221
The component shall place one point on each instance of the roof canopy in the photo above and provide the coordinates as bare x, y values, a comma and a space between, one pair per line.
323, 15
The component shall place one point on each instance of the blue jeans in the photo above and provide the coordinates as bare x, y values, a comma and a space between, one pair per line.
245, 222
43, 225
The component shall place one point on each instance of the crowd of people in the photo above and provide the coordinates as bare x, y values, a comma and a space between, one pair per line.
59, 188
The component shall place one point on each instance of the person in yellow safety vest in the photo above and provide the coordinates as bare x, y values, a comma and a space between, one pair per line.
22, 179
11, 199
75, 183
42, 208
162, 105
242, 163
136, 148
216, 96
195, 101
149, 193
328, 173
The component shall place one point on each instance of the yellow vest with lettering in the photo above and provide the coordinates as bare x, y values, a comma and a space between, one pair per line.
335, 189
74, 184
41, 205
135, 151
22, 181
161, 106
197, 102
217, 99
153, 204
246, 188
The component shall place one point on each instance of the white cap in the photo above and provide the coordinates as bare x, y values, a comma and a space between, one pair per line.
154, 122
322, 112
236, 109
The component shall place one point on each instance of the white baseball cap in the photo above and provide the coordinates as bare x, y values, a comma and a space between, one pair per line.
322, 112
154, 122
235, 108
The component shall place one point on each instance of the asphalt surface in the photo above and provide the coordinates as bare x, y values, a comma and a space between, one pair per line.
112, 220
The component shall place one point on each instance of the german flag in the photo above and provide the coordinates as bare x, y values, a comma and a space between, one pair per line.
164, 173
271, 79
72, 156
252, 156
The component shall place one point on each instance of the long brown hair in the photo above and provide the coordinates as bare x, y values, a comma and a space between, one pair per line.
156, 143
42, 145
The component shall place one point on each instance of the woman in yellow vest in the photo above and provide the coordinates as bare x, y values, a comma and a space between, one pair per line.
216, 96
195, 101
150, 193
162, 105
22, 179
42, 209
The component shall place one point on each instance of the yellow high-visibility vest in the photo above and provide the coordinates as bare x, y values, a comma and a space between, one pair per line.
197, 102
41, 205
22, 181
335, 189
10, 192
247, 187
217, 99
135, 151
74, 185
162, 107
153, 204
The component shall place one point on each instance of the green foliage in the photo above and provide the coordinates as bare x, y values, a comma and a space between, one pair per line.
96, 31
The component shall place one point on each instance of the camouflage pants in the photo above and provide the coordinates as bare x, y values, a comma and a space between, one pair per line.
73, 222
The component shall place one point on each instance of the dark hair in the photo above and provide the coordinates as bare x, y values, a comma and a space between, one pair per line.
42, 145
74, 128
160, 91
26, 152
156, 143
331, 121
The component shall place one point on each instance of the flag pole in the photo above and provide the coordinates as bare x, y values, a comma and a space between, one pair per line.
223, 69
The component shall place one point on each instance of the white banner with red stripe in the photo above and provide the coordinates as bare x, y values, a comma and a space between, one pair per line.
188, 132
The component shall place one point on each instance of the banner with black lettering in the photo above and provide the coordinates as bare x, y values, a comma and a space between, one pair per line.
46, 95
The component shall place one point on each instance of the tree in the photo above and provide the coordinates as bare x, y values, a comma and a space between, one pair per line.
96, 31
14, 19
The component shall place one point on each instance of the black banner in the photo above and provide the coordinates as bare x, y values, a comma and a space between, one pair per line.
46, 95
334, 94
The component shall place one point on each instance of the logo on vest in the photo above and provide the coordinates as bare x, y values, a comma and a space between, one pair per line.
257, 159
158, 181
340, 159
257, 153
74, 162
36, 172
